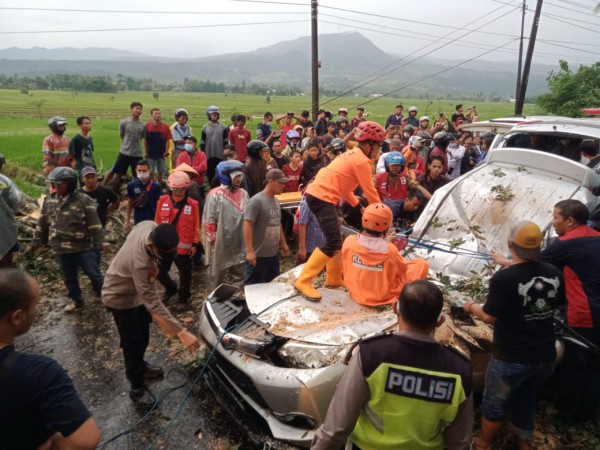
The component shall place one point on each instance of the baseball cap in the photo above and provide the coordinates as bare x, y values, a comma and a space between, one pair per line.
277, 175
526, 238
423, 118
87, 170
360, 107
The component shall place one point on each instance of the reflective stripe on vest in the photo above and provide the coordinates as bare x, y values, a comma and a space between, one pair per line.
409, 408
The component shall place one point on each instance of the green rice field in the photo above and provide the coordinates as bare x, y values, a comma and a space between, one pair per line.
23, 118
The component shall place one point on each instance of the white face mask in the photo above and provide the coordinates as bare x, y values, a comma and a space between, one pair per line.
406, 135
565, 142
188, 147
143, 176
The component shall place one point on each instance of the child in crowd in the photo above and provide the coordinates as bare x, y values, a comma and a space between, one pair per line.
293, 171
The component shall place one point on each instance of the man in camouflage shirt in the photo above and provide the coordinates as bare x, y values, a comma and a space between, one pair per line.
69, 223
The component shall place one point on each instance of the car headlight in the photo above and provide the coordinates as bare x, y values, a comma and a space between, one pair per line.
311, 356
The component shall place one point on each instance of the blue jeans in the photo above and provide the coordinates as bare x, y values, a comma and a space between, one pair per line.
265, 270
511, 389
69, 264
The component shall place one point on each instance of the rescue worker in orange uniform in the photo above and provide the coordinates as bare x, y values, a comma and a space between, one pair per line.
335, 183
374, 270
181, 211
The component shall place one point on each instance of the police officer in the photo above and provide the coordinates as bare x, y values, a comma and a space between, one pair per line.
131, 296
69, 223
403, 390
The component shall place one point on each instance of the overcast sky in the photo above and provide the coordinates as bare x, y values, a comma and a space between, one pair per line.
569, 29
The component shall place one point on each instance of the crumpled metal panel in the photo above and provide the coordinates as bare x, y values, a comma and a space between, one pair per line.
468, 213
336, 320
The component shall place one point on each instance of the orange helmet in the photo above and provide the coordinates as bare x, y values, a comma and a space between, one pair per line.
369, 131
377, 217
179, 180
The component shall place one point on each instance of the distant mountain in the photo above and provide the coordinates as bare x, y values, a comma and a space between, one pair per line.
287, 63
71, 54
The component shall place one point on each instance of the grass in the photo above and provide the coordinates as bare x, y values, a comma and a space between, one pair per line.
23, 118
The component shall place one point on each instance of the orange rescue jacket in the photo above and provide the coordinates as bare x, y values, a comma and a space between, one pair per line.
374, 278
339, 179
188, 224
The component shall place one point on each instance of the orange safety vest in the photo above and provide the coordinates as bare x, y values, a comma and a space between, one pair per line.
186, 224
375, 279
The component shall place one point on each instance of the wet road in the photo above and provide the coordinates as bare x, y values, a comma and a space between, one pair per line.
86, 344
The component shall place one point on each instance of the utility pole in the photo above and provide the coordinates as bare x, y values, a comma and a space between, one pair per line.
528, 58
314, 58
520, 54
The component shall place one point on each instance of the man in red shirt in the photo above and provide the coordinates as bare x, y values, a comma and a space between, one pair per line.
288, 124
240, 136
293, 170
158, 137
360, 110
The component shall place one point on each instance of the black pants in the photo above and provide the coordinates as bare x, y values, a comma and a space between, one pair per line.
326, 214
184, 265
211, 167
134, 330
578, 394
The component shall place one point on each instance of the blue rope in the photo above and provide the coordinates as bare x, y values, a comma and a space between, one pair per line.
435, 246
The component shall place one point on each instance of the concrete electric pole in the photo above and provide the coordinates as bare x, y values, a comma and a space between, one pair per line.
314, 59
528, 58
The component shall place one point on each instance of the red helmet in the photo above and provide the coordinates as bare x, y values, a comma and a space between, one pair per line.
179, 180
377, 217
369, 131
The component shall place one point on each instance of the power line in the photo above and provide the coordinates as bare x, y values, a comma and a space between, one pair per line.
417, 21
570, 9
461, 43
401, 59
152, 28
272, 3
569, 18
415, 59
571, 48
579, 5
129, 11
437, 73
474, 45
562, 20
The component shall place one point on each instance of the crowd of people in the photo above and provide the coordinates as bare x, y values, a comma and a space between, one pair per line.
209, 204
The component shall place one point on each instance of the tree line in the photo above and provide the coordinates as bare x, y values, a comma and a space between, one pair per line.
108, 84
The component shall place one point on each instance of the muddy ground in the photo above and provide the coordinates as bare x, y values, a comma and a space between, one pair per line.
86, 344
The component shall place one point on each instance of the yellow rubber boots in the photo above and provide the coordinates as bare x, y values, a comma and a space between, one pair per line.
317, 261
334, 271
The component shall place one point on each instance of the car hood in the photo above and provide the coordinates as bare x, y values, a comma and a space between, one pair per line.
336, 320
475, 212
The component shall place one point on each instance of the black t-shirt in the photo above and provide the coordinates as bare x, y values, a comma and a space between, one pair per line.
37, 400
282, 161
522, 298
103, 197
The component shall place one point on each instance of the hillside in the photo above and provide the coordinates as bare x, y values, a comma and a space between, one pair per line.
286, 63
